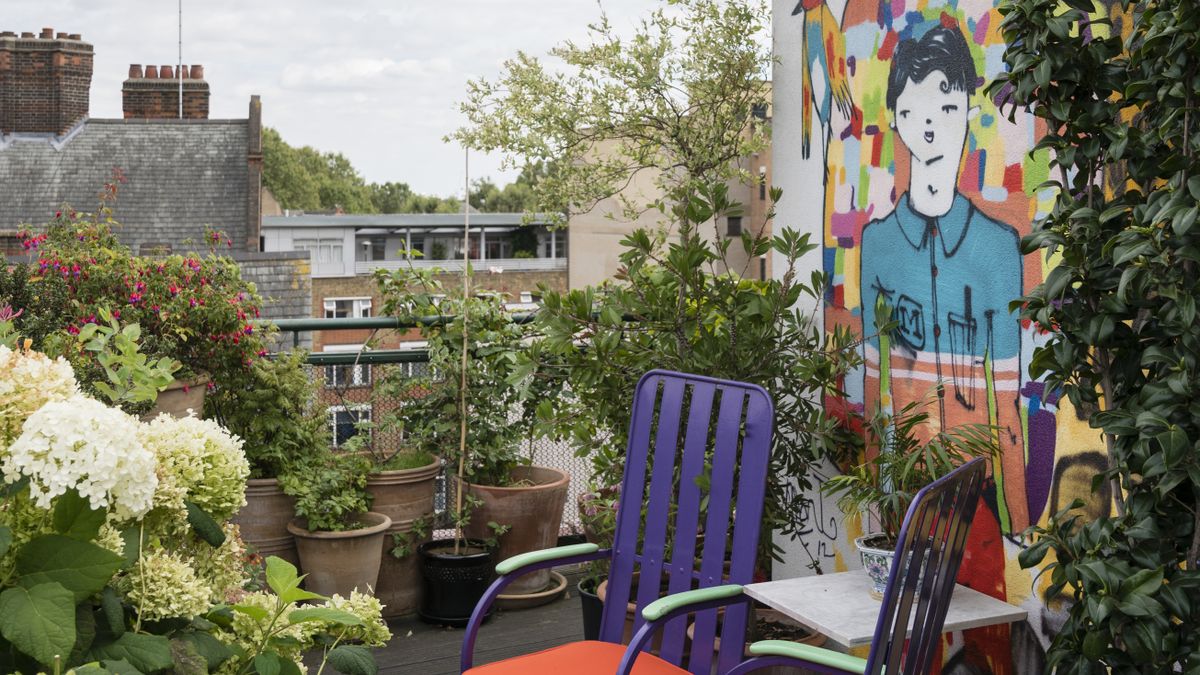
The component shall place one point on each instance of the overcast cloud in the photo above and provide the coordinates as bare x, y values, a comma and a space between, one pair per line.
375, 79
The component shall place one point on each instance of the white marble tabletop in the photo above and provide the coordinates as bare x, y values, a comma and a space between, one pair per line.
840, 607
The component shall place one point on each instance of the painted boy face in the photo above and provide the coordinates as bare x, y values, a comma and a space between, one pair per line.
931, 119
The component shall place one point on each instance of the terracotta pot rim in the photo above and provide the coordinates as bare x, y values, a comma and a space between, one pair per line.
861, 544
403, 476
199, 379
563, 480
381, 524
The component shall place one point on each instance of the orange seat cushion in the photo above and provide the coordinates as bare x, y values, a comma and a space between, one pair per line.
577, 658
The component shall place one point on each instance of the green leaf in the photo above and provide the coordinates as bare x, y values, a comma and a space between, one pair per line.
119, 667
187, 660
204, 525
85, 631
325, 614
147, 653
267, 664
252, 611
353, 660
81, 567
281, 575
1193, 185
5, 540
213, 650
1094, 645
114, 612
75, 517
39, 621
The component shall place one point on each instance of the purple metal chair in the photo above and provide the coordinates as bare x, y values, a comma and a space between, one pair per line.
918, 594
687, 432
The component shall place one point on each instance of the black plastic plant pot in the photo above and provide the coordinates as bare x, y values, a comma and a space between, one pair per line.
593, 609
453, 584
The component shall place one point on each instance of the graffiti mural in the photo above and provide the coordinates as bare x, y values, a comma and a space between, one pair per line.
926, 191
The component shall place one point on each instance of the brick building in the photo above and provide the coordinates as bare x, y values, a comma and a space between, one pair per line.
509, 257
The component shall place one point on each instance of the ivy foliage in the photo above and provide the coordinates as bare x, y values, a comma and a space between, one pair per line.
1119, 98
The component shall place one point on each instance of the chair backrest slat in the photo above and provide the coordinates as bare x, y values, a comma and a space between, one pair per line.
716, 526
710, 471
927, 558
746, 528
662, 490
629, 512
687, 517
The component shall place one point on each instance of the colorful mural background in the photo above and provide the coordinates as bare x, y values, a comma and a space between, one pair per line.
1049, 454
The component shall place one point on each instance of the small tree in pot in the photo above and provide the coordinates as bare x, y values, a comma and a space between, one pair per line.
469, 411
337, 535
899, 464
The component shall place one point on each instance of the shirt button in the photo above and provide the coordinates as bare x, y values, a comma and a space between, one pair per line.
934, 231
937, 330
935, 271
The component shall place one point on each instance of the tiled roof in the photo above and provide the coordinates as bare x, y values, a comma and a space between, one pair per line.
182, 175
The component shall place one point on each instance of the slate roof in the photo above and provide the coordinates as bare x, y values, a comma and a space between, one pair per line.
182, 175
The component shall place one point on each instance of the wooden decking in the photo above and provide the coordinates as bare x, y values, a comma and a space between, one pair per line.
421, 649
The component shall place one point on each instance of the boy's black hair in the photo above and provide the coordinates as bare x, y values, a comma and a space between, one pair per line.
941, 48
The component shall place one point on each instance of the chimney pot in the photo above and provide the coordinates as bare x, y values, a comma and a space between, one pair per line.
135, 71
184, 72
164, 73
197, 72
47, 33
26, 34
76, 36
151, 72
62, 36
8, 33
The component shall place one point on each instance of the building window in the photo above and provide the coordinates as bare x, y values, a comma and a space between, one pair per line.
759, 111
343, 308
734, 226
347, 422
349, 375
320, 250
371, 248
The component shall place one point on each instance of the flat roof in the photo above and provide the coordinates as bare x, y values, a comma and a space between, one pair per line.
402, 220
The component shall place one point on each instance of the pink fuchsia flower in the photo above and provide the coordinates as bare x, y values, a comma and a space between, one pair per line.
7, 313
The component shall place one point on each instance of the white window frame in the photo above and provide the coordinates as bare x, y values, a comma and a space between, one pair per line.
360, 307
358, 408
360, 376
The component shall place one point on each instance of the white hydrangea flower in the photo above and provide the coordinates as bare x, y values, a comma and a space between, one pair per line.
163, 585
29, 380
83, 444
199, 461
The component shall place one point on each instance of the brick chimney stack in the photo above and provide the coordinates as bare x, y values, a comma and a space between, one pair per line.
44, 81
153, 92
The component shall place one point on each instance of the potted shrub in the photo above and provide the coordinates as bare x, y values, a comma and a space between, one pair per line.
899, 464
273, 410
338, 537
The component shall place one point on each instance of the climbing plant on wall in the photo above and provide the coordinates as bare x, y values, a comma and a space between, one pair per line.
1119, 96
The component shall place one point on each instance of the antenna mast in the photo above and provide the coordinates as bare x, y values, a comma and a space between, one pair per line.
179, 66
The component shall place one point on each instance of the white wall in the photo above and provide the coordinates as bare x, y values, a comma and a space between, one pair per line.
802, 181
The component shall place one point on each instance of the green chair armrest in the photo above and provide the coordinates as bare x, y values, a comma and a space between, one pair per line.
663, 606
795, 650
510, 565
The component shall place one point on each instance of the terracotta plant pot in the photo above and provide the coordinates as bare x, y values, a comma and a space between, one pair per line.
766, 614
340, 562
453, 584
179, 397
405, 496
631, 609
533, 513
263, 521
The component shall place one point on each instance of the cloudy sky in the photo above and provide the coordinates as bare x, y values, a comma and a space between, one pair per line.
375, 79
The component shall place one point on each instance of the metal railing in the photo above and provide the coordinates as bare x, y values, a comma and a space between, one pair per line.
358, 390
505, 264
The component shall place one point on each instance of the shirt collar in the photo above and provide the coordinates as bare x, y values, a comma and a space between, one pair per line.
952, 227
